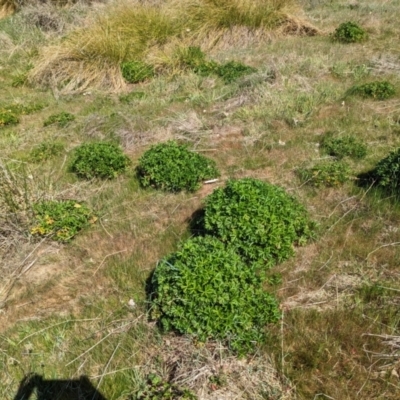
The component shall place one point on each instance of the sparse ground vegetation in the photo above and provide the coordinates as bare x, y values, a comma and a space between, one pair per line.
62, 119
60, 220
343, 146
328, 173
80, 305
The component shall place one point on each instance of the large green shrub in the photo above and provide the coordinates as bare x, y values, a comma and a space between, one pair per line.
173, 167
98, 160
257, 218
349, 32
60, 220
387, 172
206, 290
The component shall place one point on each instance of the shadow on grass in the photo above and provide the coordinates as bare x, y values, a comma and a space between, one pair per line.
196, 223
34, 386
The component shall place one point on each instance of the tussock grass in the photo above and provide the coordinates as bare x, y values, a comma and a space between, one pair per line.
7, 7
134, 30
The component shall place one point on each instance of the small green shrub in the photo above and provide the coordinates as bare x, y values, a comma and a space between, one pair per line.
62, 119
257, 218
349, 32
387, 172
173, 167
345, 146
60, 220
379, 90
136, 71
158, 389
7, 117
326, 173
233, 70
98, 160
45, 150
195, 59
207, 291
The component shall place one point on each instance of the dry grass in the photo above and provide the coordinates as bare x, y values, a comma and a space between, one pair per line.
7, 7
130, 30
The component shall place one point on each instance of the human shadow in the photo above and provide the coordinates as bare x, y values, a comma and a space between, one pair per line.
57, 389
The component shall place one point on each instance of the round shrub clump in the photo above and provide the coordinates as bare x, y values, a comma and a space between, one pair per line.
207, 291
387, 172
98, 160
257, 218
173, 167
349, 32
60, 220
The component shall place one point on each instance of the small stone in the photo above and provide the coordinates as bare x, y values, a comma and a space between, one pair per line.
395, 374
281, 143
131, 303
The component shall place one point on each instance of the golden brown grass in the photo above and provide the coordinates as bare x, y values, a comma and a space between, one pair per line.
7, 7
131, 30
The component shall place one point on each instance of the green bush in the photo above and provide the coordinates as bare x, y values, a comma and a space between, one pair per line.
207, 291
195, 59
62, 119
349, 32
233, 70
387, 172
60, 220
173, 167
98, 160
379, 90
345, 146
158, 389
136, 71
326, 173
257, 218
7, 117
45, 150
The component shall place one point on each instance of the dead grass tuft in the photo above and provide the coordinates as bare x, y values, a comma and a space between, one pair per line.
213, 374
7, 7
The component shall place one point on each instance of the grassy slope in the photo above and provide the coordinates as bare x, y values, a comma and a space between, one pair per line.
68, 315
